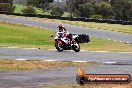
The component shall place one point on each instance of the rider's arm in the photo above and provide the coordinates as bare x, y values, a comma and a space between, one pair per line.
65, 30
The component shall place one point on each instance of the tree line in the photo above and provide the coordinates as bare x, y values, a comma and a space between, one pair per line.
97, 9
105, 9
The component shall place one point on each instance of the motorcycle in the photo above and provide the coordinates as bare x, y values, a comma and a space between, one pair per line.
62, 42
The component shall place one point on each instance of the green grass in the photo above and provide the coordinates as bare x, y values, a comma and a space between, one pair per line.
17, 35
66, 14
11, 64
98, 44
19, 9
24, 36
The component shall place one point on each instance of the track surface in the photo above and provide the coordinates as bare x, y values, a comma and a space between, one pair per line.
19, 53
118, 62
123, 37
43, 77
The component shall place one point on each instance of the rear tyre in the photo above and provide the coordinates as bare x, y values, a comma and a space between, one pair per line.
59, 47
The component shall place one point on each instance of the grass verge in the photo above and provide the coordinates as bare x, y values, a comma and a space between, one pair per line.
92, 86
99, 44
12, 34
11, 64
17, 35
19, 9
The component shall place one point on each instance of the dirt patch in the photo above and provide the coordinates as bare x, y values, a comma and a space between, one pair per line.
92, 86
6, 64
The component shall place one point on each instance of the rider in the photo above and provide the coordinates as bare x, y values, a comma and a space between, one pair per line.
64, 31
62, 28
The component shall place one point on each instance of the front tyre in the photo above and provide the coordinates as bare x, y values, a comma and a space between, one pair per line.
76, 47
59, 47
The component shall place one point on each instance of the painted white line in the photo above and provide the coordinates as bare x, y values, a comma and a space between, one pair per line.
109, 62
82, 50
29, 48
108, 52
21, 59
99, 51
79, 61
66, 50
124, 52
52, 49
102, 51
18, 48
50, 60
9, 47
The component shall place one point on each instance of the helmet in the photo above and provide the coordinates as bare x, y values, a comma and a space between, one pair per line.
61, 26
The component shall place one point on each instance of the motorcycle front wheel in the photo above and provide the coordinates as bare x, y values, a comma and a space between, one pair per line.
76, 48
59, 47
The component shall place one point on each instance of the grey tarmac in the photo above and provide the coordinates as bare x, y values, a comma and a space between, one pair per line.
39, 78
42, 54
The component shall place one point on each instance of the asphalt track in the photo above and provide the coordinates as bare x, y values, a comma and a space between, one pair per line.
111, 62
19, 53
38, 78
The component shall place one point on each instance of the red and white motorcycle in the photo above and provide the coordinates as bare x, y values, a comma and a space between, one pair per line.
65, 41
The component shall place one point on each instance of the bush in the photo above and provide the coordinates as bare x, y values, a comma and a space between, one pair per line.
29, 10
96, 17
57, 11
5, 7
12, 9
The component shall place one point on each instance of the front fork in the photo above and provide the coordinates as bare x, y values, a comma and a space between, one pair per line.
74, 43
58, 41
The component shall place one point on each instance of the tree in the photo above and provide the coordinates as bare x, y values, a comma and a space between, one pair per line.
115, 9
104, 9
21, 2
57, 11
86, 10
71, 6
29, 10
83, 8
122, 9
6, 6
44, 4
